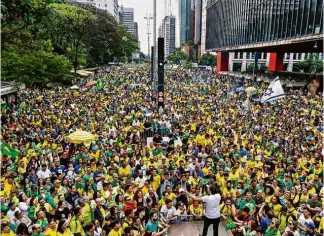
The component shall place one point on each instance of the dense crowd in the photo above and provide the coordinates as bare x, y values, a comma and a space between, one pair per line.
134, 179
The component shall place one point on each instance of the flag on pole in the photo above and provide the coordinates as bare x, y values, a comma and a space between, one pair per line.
247, 104
273, 92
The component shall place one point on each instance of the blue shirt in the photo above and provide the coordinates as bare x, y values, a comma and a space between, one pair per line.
264, 223
152, 226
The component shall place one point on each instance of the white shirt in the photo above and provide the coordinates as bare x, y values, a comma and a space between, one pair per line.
23, 206
304, 222
168, 213
11, 215
212, 206
43, 174
140, 181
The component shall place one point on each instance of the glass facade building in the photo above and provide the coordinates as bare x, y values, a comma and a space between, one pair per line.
184, 20
242, 22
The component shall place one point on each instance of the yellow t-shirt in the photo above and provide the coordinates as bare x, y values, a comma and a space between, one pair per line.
8, 234
276, 209
227, 211
67, 232
196, 210
50, 232
156, 181
125, 171
304, 197
116, 233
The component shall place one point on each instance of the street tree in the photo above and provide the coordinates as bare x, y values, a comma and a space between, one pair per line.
208, 59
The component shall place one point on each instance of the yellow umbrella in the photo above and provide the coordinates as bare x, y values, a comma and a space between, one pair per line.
80, 136
250, 90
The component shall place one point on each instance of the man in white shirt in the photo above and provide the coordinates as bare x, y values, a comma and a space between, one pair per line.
11, 213
140, 180
212, 212
44, 172
169, 212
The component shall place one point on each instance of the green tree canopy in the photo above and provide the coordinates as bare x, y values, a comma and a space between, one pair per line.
312, 64
177, 57
208, 59
43, 40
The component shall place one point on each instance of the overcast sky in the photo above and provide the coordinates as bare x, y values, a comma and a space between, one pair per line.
141, 7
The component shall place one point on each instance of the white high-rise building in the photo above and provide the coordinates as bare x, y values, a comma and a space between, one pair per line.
110, 6
126, 17
167, 30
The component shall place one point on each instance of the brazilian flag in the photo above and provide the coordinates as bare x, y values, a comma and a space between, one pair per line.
100, 84
9, 151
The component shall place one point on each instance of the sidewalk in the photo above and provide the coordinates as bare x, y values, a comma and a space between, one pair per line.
194, 228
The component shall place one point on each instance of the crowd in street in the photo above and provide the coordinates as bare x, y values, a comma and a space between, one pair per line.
145, 172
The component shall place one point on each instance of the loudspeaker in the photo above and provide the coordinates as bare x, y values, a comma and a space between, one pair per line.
160, 72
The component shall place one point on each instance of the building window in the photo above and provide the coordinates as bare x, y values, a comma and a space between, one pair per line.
236, 55
295, 56
248, 55
105, 5
287, 55
241, 55
237, 66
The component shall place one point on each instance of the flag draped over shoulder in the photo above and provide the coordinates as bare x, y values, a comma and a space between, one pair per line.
100, 84
7, 150
274, 91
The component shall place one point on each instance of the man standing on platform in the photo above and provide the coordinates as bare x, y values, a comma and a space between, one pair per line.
212, 212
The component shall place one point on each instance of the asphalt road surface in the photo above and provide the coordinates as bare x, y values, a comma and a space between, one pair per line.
194, 228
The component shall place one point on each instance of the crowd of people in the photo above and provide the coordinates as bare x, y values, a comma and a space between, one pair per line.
145, 172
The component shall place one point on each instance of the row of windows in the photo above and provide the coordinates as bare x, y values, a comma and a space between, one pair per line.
237, 66
239, 22
287, 56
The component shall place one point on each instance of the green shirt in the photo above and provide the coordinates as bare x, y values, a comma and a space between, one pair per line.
152, 226
272, 232
250, 204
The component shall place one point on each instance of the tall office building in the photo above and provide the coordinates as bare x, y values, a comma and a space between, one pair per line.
126, 17
167, 30
136, 34
110, 6
136, 29
184, 20
198, 17
203, 26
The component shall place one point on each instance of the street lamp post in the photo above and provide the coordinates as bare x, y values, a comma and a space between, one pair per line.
154, 42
